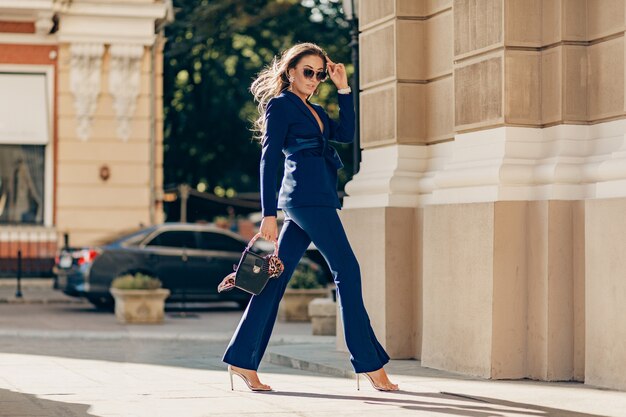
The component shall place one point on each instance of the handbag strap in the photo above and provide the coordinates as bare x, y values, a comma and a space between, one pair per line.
258, 235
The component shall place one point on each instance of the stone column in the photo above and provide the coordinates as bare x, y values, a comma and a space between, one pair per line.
406, 62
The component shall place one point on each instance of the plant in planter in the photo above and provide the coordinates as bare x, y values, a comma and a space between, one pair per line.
303, 287
139, 298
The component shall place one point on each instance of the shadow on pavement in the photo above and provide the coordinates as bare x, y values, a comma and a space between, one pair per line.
18, 404
463, 405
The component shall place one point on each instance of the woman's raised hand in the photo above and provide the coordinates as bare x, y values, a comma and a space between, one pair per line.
269, 228
337, 73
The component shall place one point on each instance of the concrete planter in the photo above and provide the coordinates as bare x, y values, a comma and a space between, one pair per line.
323, 313
140, 306
295, 303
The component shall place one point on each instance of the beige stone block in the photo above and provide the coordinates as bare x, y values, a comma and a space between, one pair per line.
458, 254
438, 53
509, 290
574, 20
477, 25
436, 6
102, 151
578, 255
400, 281
418, 290
158, 177
393, 114
89, 174
537, 359
522, 86
512, 267
439, 110
383, 241
87, 226
365, 229
410, 8
103, 196
560, 346
411, 113
421, 8
86, 238
323, 313
378, 116
575, 83
377, 57
105, 128
551, 85
159, 59
372, 11
551, 289
606, 79
605, 257
410, 65
551, 21
604, 18
158, 90
478, 92
523, 22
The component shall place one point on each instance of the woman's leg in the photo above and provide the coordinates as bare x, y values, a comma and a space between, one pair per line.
248, 344
323, 226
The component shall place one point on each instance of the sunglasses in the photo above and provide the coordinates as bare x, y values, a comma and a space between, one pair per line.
309, 73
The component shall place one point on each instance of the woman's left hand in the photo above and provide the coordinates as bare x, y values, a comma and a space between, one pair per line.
337, 73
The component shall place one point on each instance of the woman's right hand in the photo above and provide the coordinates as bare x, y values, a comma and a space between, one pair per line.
269, 228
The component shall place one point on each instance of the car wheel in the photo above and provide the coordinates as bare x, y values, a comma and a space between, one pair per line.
102, 303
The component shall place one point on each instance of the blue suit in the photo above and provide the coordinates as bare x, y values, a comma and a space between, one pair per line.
308, 196
310, 174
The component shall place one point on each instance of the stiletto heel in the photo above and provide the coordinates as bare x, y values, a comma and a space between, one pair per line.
358, 387
231, 371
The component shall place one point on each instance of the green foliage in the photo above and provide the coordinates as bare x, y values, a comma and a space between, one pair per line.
304, 277
138, 281
213, 52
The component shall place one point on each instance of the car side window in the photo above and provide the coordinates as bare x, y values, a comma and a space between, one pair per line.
174, 239
217, 241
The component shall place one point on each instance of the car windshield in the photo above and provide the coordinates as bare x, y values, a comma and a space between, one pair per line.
128, 236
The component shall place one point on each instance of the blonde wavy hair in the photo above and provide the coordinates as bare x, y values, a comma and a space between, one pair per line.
274, 79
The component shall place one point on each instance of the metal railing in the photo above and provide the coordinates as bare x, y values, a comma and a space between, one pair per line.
37, 246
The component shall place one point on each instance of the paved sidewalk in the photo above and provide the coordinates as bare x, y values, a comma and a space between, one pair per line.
72, 360
34, 291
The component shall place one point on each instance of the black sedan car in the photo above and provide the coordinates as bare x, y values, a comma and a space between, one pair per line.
189, 259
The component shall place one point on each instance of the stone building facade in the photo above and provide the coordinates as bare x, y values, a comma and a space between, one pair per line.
80, 118
488, 213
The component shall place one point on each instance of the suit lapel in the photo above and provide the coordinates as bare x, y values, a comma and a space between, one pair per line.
300, 104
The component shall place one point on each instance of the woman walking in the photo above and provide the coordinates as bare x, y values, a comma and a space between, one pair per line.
289, 124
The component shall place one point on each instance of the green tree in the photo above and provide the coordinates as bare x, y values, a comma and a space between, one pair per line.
214, 50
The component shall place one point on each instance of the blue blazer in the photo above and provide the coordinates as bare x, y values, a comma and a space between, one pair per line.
311, 164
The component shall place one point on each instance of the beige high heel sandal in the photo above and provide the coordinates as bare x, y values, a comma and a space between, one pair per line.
231, 371
358, 384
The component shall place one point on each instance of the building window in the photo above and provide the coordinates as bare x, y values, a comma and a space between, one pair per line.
22, 184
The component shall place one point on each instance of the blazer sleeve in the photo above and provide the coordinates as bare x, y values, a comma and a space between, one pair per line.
271, 154
343, 131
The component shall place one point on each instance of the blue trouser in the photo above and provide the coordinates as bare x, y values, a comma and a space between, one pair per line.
322, 226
